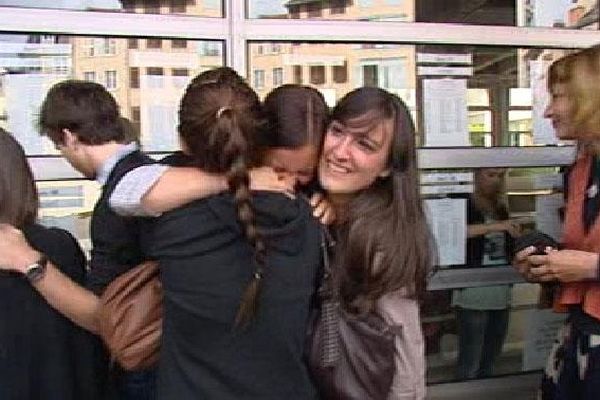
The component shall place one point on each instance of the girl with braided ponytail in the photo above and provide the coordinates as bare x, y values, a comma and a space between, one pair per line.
238, 268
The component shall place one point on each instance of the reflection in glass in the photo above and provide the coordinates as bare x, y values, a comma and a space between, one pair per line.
478, 97
520, 129
489, 330
204, 8
500, 82
480, 128
146, 76
482, 312
571, 14
334, 69
68, 205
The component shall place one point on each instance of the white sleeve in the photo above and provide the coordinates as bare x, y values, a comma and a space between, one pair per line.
126, 199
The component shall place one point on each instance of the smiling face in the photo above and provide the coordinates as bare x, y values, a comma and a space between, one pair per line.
355, 155
559, 111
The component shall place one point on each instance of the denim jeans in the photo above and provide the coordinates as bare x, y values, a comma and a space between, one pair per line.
137, 385
481, 334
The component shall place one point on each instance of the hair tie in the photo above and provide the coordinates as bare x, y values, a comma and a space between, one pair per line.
221, 110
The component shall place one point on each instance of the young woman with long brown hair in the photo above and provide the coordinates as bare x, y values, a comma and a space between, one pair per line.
382, 255
238, 269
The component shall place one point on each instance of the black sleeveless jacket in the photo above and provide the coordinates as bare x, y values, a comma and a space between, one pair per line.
115, 239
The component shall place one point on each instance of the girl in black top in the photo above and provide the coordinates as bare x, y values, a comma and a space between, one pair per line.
238, 270
43, 355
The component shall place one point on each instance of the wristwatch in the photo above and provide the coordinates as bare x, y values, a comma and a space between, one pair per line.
37, 270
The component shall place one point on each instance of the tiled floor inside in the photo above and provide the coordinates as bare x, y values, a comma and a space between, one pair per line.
514, 387
510, 383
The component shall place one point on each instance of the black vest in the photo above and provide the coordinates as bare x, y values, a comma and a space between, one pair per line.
115, 239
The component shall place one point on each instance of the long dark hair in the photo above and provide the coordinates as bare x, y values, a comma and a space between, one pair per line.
385, 243
18, 195
296, 115
218, 122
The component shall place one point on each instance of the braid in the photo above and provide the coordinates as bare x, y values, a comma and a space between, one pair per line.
218, 123
239, 185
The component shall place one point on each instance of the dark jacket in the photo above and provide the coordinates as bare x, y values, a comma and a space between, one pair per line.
115, 250
206, 263
43, 355
115, 239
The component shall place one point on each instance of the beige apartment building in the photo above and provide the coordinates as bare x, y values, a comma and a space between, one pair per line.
147, 76
335, 69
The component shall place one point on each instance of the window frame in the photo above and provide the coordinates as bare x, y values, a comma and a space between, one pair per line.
110, 79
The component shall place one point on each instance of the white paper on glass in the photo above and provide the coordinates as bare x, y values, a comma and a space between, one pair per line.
445, 112
541, 329
446, 177
547, 217
543, 133
159, 102
445, 71
448, 223
446, 189
444, 58
24, 95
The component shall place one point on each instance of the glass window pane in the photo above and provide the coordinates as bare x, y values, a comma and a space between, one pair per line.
523, 334
203, 8
478, 97
459, 95
146, 81
492, 196
480, 128
528, 198
520, 127
68, 205
571, 14
382, 10
520, 97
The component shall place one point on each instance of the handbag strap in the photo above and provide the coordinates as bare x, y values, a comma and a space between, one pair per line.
330, 307
327, 287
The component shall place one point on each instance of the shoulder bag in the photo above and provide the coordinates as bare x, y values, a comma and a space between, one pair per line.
130, 317
351, 357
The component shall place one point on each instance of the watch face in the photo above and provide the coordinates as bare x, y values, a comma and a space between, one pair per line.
35, 272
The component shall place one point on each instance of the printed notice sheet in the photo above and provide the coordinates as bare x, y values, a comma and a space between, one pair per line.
543, 133
26, 93
445, 112
436, 58
448, 222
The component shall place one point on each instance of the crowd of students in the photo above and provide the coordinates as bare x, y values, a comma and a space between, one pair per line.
236, 221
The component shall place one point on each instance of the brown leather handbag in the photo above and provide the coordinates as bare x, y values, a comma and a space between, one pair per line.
351, 357
130, 317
